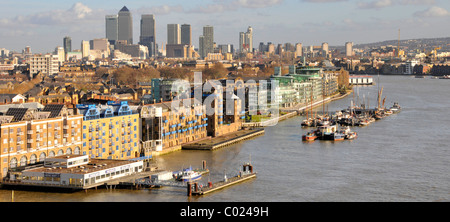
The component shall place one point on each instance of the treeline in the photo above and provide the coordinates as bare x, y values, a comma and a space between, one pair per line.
127, 75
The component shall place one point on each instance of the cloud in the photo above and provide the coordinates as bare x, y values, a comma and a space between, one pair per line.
375, 4
161, 10
324, 1
257, 3
417, 2
433, 12
213, 8
77, 13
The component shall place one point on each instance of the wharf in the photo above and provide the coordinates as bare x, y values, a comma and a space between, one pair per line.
194, 189
224, 140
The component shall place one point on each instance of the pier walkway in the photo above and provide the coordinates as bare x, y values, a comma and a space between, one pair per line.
224, 140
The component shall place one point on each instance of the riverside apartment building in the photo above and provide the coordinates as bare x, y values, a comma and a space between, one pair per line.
29, 136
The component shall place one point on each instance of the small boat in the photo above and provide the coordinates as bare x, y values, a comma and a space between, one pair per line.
445, 77
190, 175
351, 135
395, 108
338, 136
310, 136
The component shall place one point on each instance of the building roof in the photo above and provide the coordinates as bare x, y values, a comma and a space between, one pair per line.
93, 166
54, 109
124, 9
18, 113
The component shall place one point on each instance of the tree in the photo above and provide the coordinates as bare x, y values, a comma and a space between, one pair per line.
217, 71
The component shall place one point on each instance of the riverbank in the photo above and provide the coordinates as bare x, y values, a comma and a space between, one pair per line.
294, 111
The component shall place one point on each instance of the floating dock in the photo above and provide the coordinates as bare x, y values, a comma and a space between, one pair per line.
225, 140
194, 189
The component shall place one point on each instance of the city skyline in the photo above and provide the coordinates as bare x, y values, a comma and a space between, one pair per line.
43, 25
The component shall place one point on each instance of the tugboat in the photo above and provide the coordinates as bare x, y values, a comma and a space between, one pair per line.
310, 136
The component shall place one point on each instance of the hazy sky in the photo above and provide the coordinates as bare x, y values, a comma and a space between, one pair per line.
43, 24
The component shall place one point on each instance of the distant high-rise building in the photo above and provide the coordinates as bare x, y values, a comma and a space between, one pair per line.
349, 48
173, 34
206, 41
111, 28
67, 44
325, 49
246, 40
147, 37
85, 48
59, 52
298, 50
125, 25
186, 34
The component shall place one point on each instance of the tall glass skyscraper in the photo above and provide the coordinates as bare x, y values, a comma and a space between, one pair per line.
111, 28
206, 41
173, 34
246, 40
147, 37
186, 34
125, 25
67, 42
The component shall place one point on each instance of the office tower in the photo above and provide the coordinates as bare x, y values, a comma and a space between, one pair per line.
147, 37
59, 52
85, 48
186, 34
324, 49
349, 48
173, 34
298, 50
201, 46
67, 44
111, 28
206, 41
246, 40
125, 25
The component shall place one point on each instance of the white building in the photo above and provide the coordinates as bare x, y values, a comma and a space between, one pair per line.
409, 66
77, 171
46, 64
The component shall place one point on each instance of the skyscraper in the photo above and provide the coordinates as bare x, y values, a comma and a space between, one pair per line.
147, 37
246, 40
173, 34
298, 50
125, 25
111, 28
349, 48
85, 48
186, 34
325, 49
67, 44
206, 41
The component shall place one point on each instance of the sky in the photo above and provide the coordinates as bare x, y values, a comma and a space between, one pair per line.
43, 24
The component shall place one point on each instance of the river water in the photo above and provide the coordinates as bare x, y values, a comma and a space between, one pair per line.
402, 158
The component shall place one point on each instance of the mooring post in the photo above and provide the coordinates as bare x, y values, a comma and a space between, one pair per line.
189, 189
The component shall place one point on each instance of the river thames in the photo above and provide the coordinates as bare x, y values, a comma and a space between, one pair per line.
404, 157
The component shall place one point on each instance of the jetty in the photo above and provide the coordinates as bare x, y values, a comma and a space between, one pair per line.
224, 140
193, 188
